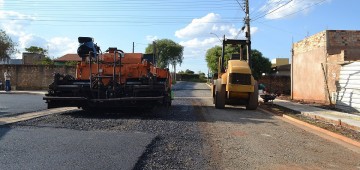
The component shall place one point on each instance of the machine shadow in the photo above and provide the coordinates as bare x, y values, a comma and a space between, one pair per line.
189, 110
3, 129
178, 112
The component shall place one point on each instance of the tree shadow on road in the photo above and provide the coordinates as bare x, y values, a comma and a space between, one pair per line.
3, 129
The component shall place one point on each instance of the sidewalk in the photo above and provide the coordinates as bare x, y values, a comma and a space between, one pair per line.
335, 117
24, 92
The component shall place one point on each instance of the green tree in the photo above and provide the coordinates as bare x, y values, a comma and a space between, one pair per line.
212, 58
38, 50
202, 76
260, 63
181, 72
187, 71
71, 63
167, 52
46, 61
7, 46
213, 54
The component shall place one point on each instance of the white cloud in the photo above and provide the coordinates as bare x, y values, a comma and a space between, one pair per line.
206, 32
198, 26
151, 38
211, 23
196, 39
283, 8
15, 25
195, 43
59, 46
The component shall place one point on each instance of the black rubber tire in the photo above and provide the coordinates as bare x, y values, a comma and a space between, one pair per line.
214, 91
253, 99
220, 96
214, 99
169, 101
90, 110
51, 105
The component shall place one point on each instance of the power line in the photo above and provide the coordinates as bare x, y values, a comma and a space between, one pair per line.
272, 10
269, 5
240, 5
117, 6
302, 9
105, 21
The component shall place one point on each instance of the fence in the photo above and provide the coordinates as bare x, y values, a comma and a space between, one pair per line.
33, 77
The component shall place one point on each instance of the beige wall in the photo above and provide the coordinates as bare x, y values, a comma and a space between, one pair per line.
308, 78
279, 62
311, 43
32, 58
333, 71
329, 48
33, 77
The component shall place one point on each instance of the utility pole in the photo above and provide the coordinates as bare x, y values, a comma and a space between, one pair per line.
248, 33
154, 53
133, 47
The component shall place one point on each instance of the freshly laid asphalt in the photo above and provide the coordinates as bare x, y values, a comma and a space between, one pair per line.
16, 103
56, 148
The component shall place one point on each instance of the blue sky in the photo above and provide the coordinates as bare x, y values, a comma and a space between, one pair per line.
56, 24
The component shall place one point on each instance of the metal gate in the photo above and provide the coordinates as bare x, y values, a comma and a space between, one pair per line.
348, 95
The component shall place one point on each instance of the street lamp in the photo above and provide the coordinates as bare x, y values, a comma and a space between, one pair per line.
216, 36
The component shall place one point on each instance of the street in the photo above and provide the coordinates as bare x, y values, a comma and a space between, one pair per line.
191, 134
12, 104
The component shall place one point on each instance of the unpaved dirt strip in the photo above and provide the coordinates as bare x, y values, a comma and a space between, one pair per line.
339, 139
27, 116
243, 139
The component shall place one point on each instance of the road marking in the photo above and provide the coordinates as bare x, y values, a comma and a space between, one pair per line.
32, 115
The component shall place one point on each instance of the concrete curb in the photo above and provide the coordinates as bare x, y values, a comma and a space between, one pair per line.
344, 120
32, 115
24, 92
313, 128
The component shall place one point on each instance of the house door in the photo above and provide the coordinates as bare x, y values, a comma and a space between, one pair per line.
348, 95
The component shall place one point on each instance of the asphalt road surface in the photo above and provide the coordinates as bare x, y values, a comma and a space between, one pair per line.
192, 134
46, 148
11, 104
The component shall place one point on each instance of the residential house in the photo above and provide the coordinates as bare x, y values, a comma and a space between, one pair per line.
316, 64
11, 61
278, 81
66, 58
32, 58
